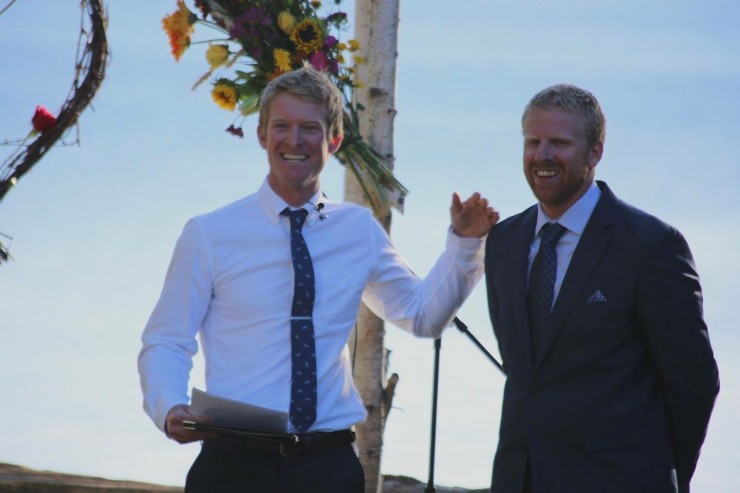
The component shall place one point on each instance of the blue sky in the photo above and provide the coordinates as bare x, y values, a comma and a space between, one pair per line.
94, 225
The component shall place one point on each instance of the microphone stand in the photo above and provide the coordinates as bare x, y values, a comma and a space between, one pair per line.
433, 443
435, 388
464, 329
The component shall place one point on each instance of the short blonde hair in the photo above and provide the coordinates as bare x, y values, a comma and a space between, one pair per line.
573, 99
306, 83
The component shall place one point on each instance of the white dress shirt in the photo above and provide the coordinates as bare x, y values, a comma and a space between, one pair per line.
574, 220
231, 281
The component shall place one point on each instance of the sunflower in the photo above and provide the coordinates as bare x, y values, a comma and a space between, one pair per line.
179, 26
225, 94
282, 60
307, 36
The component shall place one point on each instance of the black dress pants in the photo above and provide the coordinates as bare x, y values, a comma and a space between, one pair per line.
223, 467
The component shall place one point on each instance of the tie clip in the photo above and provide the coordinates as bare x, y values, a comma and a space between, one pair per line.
301, 318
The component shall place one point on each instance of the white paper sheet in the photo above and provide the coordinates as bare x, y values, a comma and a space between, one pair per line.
231, 413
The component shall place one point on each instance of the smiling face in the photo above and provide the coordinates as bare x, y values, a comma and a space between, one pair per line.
296, 138
558, 160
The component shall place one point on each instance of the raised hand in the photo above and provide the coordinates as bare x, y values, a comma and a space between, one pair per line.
472, 218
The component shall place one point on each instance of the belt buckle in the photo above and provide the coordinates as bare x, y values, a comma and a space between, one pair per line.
284, 452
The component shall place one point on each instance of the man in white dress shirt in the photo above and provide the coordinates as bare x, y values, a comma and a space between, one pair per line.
231, 282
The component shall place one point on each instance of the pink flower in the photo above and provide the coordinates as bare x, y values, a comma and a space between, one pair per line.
43, 119
319, 61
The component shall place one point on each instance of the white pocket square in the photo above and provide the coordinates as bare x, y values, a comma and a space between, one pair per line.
597, 297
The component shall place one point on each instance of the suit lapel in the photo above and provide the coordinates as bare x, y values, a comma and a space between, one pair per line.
517, 276
588, 253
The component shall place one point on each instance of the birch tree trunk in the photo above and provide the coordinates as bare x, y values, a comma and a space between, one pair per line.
376, 28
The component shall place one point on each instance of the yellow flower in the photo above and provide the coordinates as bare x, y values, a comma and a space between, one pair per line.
282, 60
179, 26
286, 22
354, 45
341, 46
340, 58
216, 55
307, 36
315, 4
359, 60
225, 95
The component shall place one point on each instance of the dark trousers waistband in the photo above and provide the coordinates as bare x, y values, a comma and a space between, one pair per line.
305, 444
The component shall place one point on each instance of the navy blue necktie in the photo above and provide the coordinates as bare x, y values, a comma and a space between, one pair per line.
303, 349
542, 282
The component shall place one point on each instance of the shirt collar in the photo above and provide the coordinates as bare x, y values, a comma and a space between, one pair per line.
273, 204
577, 216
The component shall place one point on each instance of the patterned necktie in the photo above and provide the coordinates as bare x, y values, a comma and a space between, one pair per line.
542, 282
303, 350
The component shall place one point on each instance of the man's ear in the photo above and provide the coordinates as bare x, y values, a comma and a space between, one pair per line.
594, 154
335, 143
261, 137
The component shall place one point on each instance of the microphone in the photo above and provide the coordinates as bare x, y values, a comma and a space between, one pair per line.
318, 208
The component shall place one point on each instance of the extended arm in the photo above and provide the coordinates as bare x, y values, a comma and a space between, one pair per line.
425, 307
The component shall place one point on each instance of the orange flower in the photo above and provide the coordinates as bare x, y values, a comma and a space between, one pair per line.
179, 26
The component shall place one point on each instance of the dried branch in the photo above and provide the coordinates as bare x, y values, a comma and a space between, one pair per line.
7, 7
92, 53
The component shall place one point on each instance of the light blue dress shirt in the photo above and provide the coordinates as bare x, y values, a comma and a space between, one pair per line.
574, 220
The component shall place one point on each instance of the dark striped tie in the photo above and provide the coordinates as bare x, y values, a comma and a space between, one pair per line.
542, 283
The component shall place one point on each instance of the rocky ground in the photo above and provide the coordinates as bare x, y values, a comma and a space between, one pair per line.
18, 479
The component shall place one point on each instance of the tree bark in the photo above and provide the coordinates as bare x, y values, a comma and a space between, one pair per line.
376, 28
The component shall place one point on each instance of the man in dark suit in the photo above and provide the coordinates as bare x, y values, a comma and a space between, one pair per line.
597, 309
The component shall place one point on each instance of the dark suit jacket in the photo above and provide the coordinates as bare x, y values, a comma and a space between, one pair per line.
619, 397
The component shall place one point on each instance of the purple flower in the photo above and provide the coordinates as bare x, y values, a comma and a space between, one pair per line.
333, 67
256, 52
245, 32
330, 42
337, 17
245, 24
254, 15
319, 61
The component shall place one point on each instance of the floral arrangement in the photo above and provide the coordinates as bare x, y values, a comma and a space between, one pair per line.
261, 39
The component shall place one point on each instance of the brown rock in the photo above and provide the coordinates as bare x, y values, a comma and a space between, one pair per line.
18, 479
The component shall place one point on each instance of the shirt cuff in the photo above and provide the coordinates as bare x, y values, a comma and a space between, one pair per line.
468, 248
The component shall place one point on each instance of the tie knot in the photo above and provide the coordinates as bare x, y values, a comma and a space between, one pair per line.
551, 233
296, 217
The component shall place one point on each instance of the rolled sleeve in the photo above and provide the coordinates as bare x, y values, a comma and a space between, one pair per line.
426, 306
